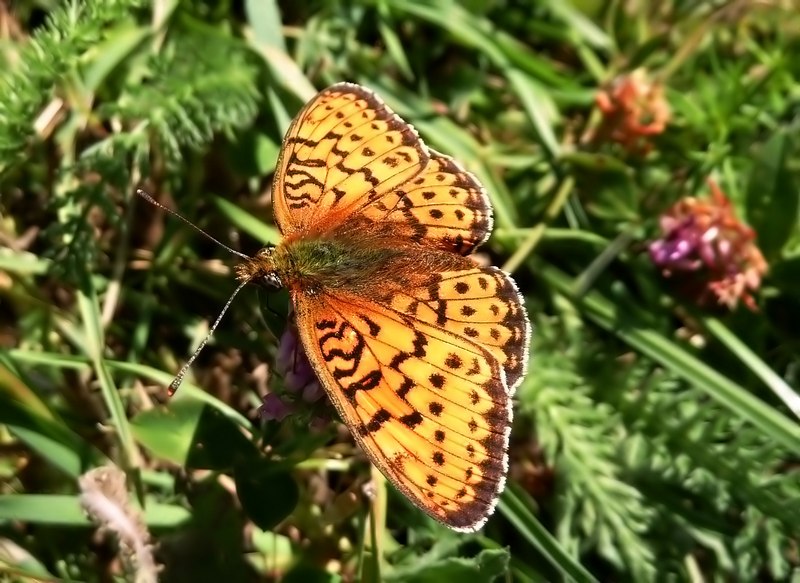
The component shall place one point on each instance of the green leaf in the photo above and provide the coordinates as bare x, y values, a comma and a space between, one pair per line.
267, 491
189, 432
108, 55
67, 511
218, 443
516, 506
486, 566
265, 18
623, 320
88, 304
785, 275
65, 457
773, 199
33, 423
168, 431
755, 363
247, 222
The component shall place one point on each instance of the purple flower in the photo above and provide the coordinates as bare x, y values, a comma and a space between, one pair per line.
300, 381
705, 247
298, 375
274, 408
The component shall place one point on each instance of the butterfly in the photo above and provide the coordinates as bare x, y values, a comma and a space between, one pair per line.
417, 346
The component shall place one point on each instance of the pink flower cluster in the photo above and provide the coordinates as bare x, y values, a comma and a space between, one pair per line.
709, 251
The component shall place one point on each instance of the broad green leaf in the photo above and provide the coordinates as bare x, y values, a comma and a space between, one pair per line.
265, 18
168, 431
267, 491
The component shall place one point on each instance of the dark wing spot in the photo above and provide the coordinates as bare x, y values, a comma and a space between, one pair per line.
440, 177
495, 309
405, 387
473, 425
438, 458
431, 480
339, 115
494, 333
412, 419
470, 450
468, 474
438, 435
436, 214
459, 214
428, 195
471, 332
348, 124
368, 382
483, 283
378, 419
355, 138
474, 397
462, 287
461, 493
390, 161
453, 361
436, 380
374, 329
368, 152
437, 408
467, 310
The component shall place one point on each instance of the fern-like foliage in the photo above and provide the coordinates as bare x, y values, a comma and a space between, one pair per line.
717, 480
53, 54
583, 440
169, 97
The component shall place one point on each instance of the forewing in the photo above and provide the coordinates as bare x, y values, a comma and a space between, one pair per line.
347, 156
444, 207
344, 149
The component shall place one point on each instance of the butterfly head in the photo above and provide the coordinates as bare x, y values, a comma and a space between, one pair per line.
260, 269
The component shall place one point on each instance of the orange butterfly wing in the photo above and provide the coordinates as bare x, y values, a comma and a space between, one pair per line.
347, 154
421, 356
422, 382
344, 147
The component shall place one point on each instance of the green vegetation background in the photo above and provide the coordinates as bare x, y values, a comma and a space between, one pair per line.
654, 440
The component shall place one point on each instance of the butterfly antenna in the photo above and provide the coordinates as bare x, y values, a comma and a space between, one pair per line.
153, 201
176, 382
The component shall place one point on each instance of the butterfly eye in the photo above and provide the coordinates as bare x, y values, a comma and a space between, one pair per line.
270, 281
